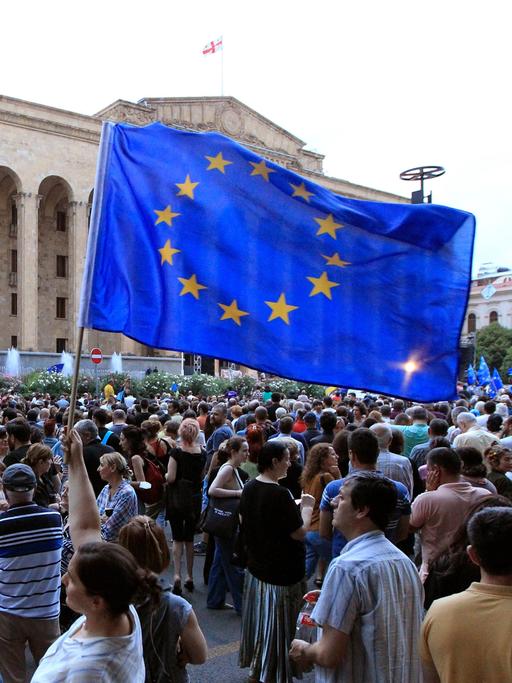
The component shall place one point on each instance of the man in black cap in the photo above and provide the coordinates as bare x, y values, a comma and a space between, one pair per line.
30, 554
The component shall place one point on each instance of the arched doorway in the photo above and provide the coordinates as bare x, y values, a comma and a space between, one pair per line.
54, 292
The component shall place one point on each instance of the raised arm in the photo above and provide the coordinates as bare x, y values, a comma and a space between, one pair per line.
84, 517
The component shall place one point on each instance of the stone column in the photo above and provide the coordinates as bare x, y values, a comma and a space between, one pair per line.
77, 247
27, 204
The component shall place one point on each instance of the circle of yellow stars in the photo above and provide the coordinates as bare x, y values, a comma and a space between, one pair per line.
281, 308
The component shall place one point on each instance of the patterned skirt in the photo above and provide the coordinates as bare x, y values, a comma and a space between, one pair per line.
269, 616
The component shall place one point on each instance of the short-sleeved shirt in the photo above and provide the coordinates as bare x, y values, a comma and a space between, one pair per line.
30, 553
403, 508
219, 435
373, 594
397, 468
476, 437
439, 514
269, 516
94, 660
414, 435
466, 636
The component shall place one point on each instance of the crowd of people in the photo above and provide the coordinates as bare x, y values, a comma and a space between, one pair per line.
399, 514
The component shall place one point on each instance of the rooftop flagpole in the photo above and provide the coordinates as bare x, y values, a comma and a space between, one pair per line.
222, 68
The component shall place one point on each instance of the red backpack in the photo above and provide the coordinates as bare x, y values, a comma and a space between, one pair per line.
155, 475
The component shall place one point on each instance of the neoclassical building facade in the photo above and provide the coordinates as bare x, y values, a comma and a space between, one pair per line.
47, 170
490, 301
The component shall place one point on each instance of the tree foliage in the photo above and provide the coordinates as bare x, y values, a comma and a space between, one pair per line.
494, 343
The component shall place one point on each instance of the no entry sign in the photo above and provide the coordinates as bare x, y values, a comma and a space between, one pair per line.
96, 356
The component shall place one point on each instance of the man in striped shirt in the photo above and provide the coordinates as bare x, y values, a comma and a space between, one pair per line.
30, 553
371, 604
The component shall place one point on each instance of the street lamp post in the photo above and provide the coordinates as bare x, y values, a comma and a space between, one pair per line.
422, 173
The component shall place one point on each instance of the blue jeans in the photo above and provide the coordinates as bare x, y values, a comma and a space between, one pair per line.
316, 548
224, 576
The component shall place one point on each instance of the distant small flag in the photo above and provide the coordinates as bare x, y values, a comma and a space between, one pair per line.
471, 375
213, 46
496, 378
483, 374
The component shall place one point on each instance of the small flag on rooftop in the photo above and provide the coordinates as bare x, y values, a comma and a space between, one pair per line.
213, 46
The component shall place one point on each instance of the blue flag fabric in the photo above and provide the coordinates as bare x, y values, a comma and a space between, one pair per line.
471, 374
198, 244
496, 379
483, 374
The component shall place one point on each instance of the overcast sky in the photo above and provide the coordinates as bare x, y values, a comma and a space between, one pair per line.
376, 87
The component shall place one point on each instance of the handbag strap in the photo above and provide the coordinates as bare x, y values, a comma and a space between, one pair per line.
238, 477
235, 472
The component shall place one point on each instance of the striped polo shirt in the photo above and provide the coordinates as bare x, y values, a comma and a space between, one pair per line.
30, 552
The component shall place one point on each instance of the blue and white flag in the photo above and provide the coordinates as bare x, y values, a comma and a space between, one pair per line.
483, 374
471, 375
197, 244
496, 379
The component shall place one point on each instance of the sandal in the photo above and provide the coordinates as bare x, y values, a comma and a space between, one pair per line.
189, 585
176, 589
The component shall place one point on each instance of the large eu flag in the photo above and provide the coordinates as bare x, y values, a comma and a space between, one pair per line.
198, 244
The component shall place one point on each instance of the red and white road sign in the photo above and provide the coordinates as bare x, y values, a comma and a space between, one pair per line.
96, 356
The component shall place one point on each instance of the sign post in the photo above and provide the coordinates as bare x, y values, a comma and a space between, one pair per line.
96, 358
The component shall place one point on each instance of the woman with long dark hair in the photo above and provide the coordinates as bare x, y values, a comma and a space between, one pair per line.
228, 483
320, 469
102, 582
146, 468
273, 529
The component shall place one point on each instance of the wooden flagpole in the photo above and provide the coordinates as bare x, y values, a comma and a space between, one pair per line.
74, 384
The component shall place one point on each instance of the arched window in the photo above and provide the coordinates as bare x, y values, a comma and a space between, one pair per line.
493, 317
471, 323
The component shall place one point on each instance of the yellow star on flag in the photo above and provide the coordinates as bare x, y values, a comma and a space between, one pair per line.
335, 260
301, 191
187, 188
167, 252
165, 216
191, 286
232, 312
280, 309
218, 163
328, 226
322, 285
261, 169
